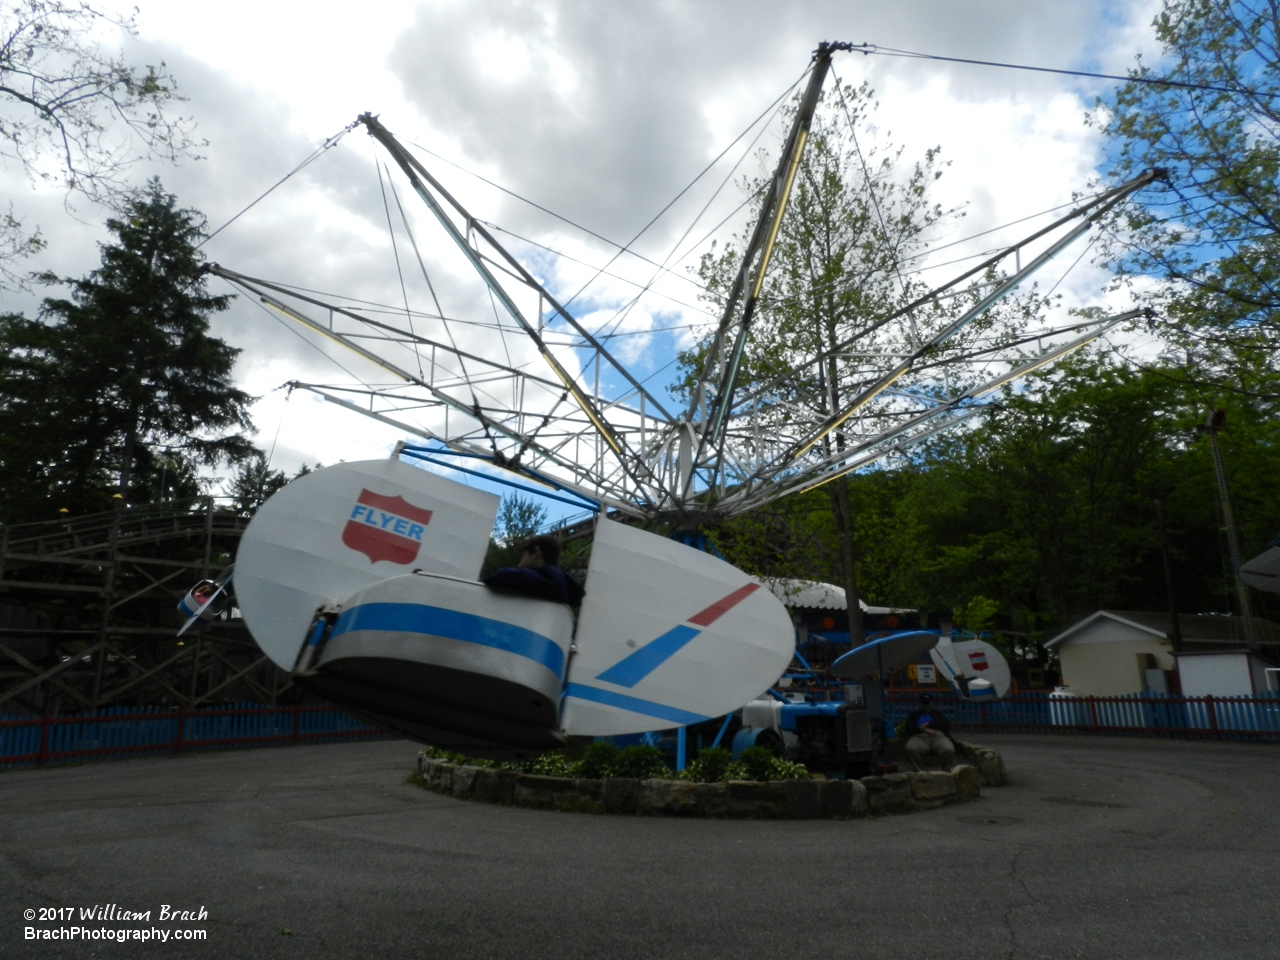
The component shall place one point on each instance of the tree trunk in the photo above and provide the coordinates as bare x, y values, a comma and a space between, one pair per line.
838, 490
126, 459
842, 510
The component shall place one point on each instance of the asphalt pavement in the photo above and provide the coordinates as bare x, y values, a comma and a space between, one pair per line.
1101, 847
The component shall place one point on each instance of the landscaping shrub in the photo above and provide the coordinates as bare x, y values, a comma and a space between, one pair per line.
641, 762
598, 761
712, 766
603, 760
553, 763
758, 763
452, 756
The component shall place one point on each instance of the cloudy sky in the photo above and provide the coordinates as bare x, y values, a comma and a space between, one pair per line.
599, 111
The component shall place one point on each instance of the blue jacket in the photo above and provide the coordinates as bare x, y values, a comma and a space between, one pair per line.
545, 583
930, 715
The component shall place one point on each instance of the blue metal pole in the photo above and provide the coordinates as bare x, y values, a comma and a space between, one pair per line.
682, 736
723, 727
582, 502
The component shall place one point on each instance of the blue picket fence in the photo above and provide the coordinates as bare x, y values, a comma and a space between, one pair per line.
138, 731
1139, 714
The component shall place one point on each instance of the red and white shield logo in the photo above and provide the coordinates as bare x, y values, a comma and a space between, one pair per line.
386, 528
978, 660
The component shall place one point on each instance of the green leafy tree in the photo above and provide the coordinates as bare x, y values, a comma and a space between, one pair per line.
797, 537
1211, 234
1047, 510
73, 113
857, 212
254, 481
120, 385
1049, 507
978, 614
789, 538
519, 519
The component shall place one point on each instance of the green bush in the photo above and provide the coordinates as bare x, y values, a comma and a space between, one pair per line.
603, 759
758, 763
786, 770
598, 761
641, 762
712, 766
452, 756
552, 764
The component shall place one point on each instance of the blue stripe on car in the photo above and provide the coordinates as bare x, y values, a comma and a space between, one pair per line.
633, 704
452, 625
635, 667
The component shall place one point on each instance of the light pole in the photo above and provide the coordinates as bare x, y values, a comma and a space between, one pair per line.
1213, 424
1175, 628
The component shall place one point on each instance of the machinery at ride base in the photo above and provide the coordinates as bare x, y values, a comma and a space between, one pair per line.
831, 718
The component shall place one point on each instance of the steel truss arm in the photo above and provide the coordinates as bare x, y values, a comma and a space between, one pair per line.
480, 453
756, 256
936, 293
869, 456
784, 461
1098, 209
257, 286
417, 173
710, 461
738, 445
410, 165
259, 289
912, 430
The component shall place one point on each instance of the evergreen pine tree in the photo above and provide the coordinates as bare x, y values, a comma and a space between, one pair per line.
120, 388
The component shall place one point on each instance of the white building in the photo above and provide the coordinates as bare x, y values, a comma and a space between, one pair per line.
1115, 652
1223, 673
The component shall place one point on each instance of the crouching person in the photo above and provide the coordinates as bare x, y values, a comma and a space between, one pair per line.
929, 737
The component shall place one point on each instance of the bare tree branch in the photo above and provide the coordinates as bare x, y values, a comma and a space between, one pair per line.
74, 114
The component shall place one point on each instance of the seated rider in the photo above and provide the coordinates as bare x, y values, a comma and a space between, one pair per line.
929, 735
537, 574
